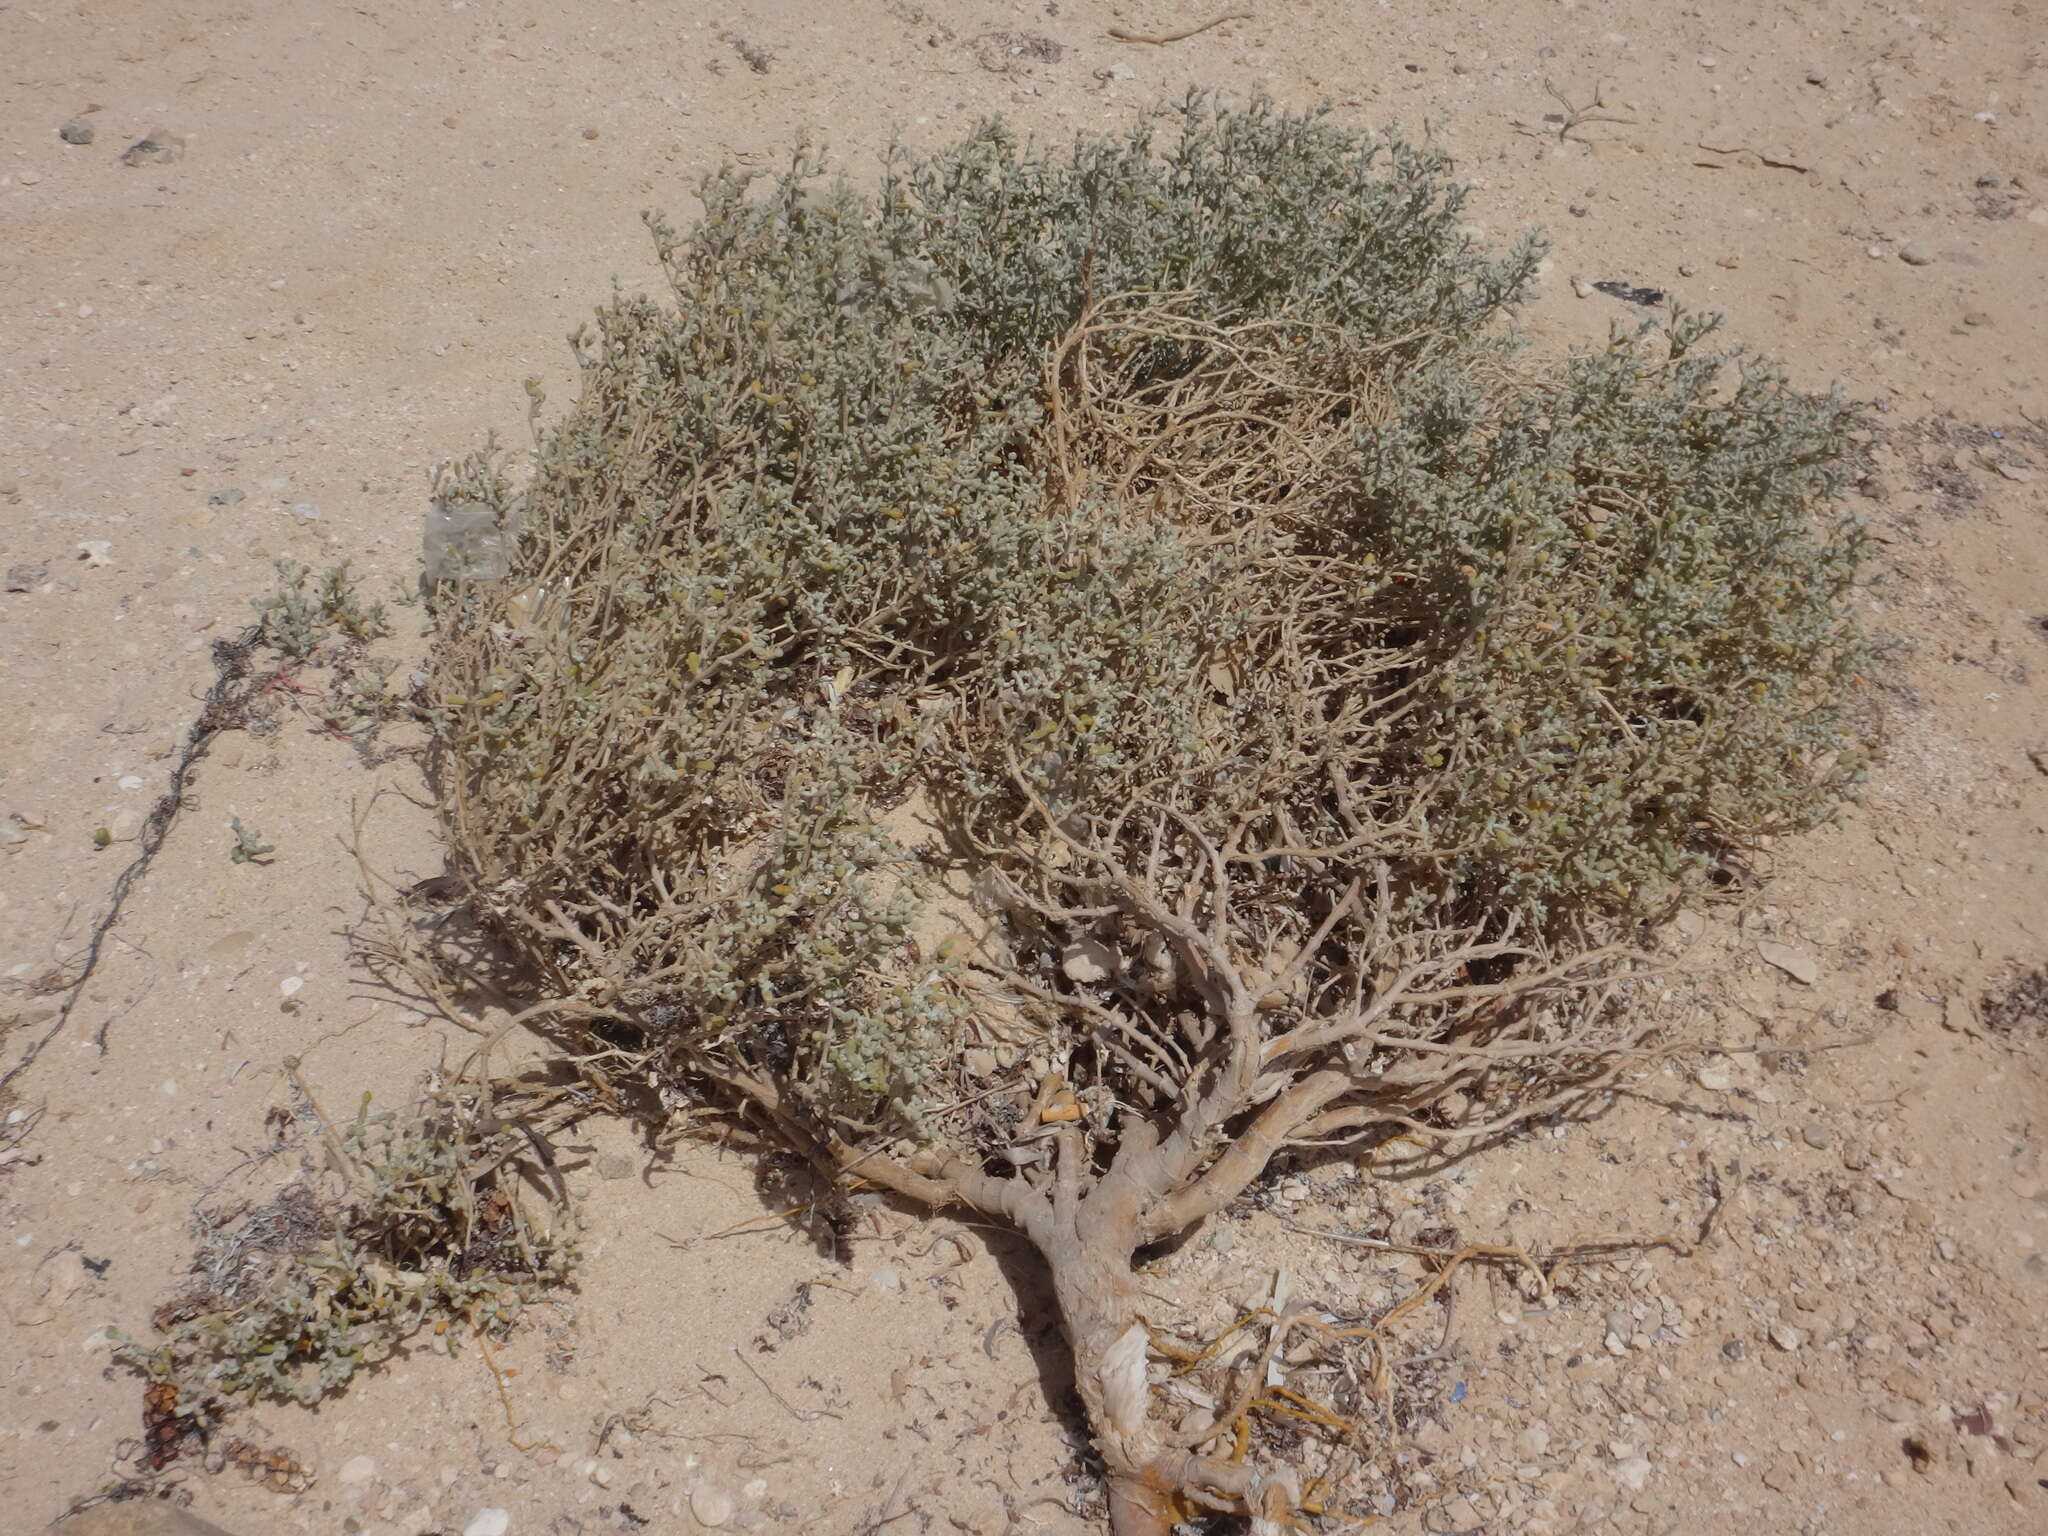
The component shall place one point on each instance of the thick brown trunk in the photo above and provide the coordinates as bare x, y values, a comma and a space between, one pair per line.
1102, 1307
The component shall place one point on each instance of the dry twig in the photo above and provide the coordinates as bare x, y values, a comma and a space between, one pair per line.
1160, 39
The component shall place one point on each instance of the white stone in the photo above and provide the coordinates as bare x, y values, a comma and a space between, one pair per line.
356, 1470
1090, 960
712, 1506
488, 1522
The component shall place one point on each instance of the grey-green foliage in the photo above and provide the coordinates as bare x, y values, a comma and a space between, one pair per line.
308, 609
826, 528
248, 846
1636, 594
296, 1295
1262, 212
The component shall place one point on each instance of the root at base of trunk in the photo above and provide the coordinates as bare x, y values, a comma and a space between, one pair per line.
1152, 1482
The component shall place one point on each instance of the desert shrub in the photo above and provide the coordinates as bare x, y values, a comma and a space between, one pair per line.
1163, 535
401, 1221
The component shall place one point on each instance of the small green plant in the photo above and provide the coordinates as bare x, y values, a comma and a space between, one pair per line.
306, 610
359, 695
248, 846
404, 1222
1301, 687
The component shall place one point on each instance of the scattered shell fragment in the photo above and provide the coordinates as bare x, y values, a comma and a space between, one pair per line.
1796, 963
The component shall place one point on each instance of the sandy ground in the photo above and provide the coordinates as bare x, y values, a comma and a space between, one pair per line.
376, 220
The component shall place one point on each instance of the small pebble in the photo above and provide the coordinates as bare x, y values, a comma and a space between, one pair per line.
1914, 254
1733, 1350
613, 1166
712, 1506
356, 1470
309, 510
1533, 1442
1977, 317
1786, 1337
590, 133
1714, 1079
1815, 77
886, 1280
1816, 1135
77, 131
226, 498
26, 578
488, 1522
158, 147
